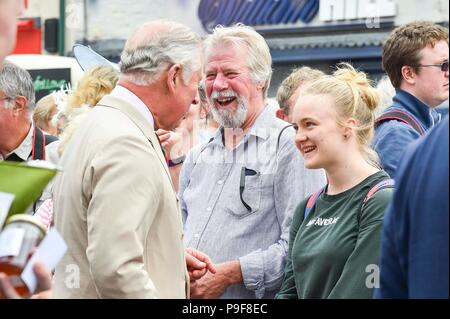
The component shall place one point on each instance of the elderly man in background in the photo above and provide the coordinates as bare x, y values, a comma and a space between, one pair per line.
239, 190
9, 12
21, 139
115, 204
290, 88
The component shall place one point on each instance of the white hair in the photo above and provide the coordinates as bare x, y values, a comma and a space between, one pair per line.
386, 92
144, 62
259, 59
15, 81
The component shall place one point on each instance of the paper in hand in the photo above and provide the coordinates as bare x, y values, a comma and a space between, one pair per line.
50, 251
6, 200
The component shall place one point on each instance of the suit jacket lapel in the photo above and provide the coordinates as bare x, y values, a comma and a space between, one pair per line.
138, 119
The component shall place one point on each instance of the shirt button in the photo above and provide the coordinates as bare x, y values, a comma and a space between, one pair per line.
220, 182
209, 209
196, 236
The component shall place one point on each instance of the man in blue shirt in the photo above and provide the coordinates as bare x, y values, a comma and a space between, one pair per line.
238, 192
415, 57
415, 252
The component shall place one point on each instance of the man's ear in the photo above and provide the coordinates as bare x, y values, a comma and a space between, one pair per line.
280, 114
260, 85
409, 74
174, 78
20, 104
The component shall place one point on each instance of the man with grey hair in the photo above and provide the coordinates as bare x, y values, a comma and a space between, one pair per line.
20, 140
238, 191
114, 203
290, 88
9, 12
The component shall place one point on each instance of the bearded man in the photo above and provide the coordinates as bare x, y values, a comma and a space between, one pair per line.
239, 190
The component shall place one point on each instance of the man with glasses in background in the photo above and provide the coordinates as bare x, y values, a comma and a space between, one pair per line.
415, 57
10, 10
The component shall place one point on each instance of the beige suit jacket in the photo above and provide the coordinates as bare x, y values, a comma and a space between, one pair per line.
116, 208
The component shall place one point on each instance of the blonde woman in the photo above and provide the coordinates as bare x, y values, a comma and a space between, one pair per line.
44, 113
93, 86
96, 83
334, 242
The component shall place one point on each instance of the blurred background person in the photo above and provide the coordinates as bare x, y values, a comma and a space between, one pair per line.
290, 89
415, 252
10, 10
96, 83
43, 115
92, 87
196, 127
386, 92
20, 139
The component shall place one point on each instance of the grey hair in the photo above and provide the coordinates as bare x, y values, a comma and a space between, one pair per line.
386, 91
15, 81
259, 59
144, 63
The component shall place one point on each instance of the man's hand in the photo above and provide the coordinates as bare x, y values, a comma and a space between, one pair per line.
212, 286
198, 264
44, 279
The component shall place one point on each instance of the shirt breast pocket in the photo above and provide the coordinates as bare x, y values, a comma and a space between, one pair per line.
248, 199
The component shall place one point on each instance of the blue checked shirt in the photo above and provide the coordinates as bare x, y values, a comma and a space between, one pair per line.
218, 223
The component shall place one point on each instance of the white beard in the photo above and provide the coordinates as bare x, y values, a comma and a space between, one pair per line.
226, 117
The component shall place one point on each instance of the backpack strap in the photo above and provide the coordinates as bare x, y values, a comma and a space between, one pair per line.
374, 188
40, 140
402, 117
311, 202
38, 150
281, 132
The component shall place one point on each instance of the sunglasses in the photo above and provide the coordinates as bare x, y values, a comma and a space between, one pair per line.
443, 66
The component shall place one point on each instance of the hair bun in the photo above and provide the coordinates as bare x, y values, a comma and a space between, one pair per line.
359, 83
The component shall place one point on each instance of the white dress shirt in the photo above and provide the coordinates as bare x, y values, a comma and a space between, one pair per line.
126, 95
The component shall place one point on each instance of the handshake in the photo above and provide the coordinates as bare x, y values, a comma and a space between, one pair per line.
198, 264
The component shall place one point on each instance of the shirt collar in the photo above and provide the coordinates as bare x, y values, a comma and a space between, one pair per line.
259, 129
416, 107
25, 148
124, 94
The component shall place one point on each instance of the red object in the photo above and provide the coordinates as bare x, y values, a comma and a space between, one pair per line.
29, 38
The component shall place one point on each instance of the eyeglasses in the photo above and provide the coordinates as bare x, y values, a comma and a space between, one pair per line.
6, 98
244, 173
443, 66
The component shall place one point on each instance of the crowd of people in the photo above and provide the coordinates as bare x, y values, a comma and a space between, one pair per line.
178, 181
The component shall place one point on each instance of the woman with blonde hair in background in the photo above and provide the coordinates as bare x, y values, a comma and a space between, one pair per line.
96, 83
334, 240
44, 113
93, 86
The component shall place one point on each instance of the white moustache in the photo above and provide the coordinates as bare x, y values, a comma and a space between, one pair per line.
217, 95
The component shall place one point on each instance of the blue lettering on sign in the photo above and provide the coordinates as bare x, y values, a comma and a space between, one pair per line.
255, 12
